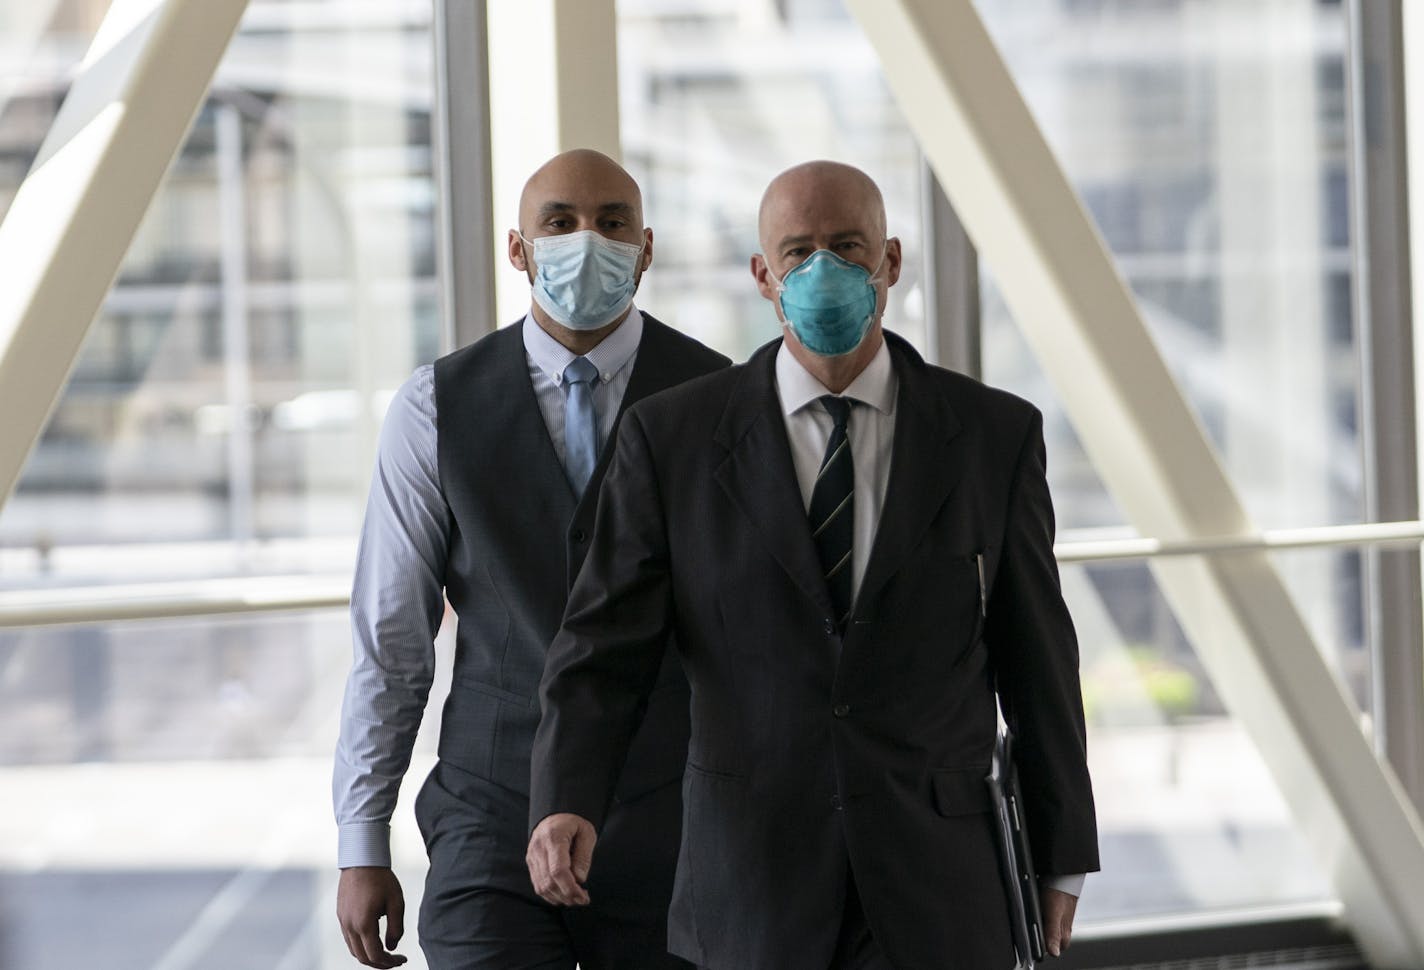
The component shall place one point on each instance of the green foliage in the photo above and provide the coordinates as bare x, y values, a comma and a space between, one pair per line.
1138, 686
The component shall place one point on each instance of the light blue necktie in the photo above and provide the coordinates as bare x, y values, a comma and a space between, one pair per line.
580, 423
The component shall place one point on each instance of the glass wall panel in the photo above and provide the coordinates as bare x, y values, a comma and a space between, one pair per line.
167, 792
41, 42
165, 787
279, 289
1189, 818
1216, 169
717, 97
1207, 139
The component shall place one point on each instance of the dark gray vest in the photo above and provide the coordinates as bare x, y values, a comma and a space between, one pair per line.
517, 541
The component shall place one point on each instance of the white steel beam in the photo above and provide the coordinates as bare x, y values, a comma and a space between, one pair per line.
1145, 441
553, 76
66, 233
466, 248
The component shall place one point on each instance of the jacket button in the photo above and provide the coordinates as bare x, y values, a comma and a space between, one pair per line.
836, 802
830, 627
579, 536
841, 710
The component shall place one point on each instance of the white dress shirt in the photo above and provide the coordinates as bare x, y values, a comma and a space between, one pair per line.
397, 596
871, 430
614, 357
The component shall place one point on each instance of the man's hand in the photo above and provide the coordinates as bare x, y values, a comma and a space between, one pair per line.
363, 896
560, 854
1058, 910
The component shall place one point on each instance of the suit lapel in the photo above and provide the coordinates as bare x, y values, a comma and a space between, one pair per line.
926, 463
758, 475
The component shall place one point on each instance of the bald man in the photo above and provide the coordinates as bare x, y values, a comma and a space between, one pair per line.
484, 492
853, 552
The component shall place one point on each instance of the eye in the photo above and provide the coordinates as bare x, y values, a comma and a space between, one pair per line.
796, 252
847, 246
559, 223
613, 225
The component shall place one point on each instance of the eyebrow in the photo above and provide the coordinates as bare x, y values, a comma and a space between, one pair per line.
834, 237
551, 207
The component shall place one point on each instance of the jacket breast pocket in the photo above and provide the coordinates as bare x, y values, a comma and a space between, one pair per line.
965, 597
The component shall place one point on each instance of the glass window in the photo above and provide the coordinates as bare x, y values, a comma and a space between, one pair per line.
279, 289
717, 97
167, 784
1216, 172
167, 790
1225, 212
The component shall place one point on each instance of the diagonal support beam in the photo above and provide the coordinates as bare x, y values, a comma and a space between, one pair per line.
1145, 441
75, 215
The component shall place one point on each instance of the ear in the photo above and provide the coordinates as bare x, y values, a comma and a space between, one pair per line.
516, 252
647, 249
893, 258
766, 285
761, 272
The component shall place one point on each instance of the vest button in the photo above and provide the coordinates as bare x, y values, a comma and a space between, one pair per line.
841, 710
579, 536
830, 627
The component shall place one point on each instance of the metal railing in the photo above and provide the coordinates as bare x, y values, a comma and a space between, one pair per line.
268, 594
168, 600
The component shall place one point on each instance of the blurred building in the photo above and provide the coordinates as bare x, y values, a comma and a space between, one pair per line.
221, 421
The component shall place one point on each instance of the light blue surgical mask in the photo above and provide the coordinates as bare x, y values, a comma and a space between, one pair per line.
584, 280
829, 302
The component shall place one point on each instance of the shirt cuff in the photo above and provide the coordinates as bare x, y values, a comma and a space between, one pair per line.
363, 844
1072, 885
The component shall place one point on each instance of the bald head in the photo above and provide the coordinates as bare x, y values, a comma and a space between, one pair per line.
574, 192
828, 194
580, 178
828, 206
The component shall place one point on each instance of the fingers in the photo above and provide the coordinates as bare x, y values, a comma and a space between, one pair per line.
395, 922
583, 854
1058, 909
363, 896
559, 857
566, 888
376, 955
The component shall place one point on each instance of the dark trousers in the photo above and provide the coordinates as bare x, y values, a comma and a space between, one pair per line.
856, 948
480, 911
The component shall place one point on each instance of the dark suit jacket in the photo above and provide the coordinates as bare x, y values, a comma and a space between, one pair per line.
815, 755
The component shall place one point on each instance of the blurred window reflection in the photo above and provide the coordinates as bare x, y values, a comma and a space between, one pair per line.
166, 783
1208, 140
222, 416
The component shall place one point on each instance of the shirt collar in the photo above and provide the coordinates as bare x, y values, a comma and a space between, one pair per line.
875, 386
610, 356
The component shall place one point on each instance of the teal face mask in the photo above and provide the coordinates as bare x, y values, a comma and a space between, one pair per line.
828, 302
584, 280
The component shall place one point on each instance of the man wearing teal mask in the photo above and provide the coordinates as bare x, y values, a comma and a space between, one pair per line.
487, 474
855, 552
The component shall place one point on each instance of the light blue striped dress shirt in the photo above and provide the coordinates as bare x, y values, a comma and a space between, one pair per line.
397, 597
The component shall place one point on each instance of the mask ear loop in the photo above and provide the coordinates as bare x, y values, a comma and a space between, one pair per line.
884, 252
528, 251
870, 280
780, 287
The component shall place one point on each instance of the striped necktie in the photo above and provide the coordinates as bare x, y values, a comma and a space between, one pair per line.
832, 511
580, 423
